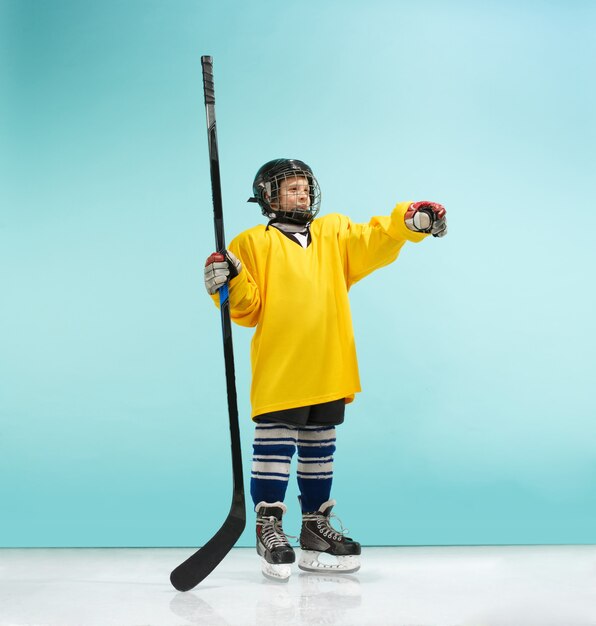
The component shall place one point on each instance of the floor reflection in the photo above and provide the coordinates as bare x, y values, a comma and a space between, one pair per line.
316, 599
195, 610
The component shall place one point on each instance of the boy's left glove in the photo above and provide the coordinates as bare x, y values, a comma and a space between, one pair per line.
427, 217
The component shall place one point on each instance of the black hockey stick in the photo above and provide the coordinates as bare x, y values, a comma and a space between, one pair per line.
206, 559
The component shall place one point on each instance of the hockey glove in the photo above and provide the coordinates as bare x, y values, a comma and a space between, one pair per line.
427, 217
220, 269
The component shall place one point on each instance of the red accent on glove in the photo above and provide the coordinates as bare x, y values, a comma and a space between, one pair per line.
435, 207
216, 257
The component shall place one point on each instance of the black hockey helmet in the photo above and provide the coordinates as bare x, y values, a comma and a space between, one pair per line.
267, 188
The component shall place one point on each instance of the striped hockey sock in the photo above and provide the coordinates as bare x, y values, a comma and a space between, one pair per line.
273, 448
316, 445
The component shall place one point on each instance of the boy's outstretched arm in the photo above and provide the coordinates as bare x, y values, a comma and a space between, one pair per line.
378, 243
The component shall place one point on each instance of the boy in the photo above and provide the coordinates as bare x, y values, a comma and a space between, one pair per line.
290, 279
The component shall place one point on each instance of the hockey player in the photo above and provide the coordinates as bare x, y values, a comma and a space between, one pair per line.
290, 279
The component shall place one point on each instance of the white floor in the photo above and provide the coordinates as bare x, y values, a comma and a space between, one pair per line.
492, 586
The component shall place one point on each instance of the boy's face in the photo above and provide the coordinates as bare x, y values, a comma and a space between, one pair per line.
294, 195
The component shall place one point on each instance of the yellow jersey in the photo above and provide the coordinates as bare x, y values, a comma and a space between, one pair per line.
303, 349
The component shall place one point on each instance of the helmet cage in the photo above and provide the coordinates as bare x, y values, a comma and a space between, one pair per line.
268, 189
294, 211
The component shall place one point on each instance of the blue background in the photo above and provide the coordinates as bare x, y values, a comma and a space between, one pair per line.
476, 424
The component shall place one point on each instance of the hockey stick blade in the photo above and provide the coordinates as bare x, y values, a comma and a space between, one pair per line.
199, 565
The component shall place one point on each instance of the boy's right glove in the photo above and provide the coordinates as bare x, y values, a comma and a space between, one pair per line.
220, 269
427, 217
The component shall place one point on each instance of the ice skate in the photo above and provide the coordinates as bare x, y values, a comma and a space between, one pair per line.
272, 544
325, 549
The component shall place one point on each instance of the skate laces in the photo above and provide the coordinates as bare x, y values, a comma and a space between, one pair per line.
273, 534
324, 523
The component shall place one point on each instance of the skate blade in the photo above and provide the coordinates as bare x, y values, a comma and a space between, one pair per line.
280, 573
312, 561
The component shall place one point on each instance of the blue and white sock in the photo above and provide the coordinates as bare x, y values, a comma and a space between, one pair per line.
273, 448
316, 445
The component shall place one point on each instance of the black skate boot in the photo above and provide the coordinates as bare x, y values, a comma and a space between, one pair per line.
323, 548
272, 544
